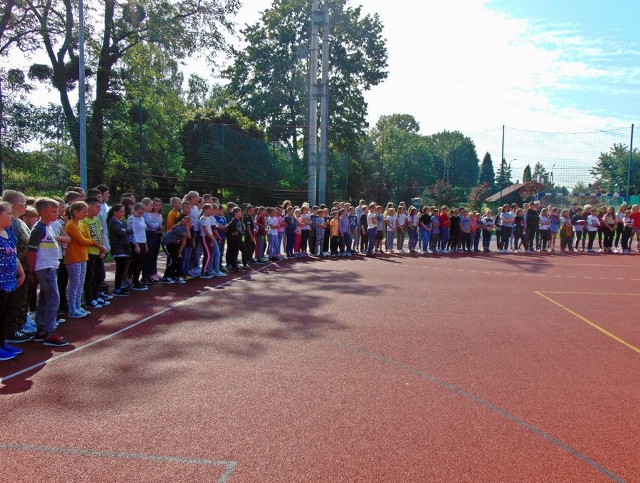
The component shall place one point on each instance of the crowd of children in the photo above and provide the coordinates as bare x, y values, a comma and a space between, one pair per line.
52, 250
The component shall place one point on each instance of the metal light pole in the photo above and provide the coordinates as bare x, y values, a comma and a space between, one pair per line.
324, 108
629, 165
82, 116
312, 188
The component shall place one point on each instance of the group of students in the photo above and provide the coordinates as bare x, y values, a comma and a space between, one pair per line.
52, 250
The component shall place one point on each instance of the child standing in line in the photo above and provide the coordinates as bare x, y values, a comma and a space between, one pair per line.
487, 230
445, 223
95, 274
334, 227
435, 231
272, 227
305, 229
401, 226
153, 243
120, 248
207, 239
345, 234
362, 227
627, 232
566, 232
593, 224
477, 230
138, 238
464, 226
12, 277
281, 229
554, 219
235, 243
44, 253
291, 225
353, 230
391, 225
17, 312
545, 230
172, 217
249, 232
424, 228
320, 226
327, 232
261, 234
173, 242
379, 228
579, 223
222, 230
76, 256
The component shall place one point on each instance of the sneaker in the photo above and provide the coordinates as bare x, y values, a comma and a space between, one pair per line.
94, 304
220, 274
29, 327
146, 281
55, 340
10, 348
81, 314
6, 355
40, 336
180, 280
120, 292
186, 278
139, 287
19, 337
166, 280
105, 296
206, 276
85, 312
103, 302
60, 321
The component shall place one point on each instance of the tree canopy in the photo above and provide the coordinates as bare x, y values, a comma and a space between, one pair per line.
270, 75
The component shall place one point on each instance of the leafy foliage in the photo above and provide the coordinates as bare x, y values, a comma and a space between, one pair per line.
270, 76
487, 175
441, 193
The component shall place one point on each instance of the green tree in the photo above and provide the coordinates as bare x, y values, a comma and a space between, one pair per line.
503, 176
541, 175
270, 76
611, 170
142, 148
456, 154
115, 27
400, 162
487, 175
526, 176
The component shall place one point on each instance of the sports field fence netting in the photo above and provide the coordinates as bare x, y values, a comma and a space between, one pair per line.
234, 166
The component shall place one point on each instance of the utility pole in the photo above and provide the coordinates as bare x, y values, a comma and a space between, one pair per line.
82, 116
312, 182
324, 107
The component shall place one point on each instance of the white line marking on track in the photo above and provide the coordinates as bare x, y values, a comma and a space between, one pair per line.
229, 466
205, 290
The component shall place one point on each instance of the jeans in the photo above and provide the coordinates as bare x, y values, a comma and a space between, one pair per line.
371, 235
426, 237
444, 238
390, 240
274, 243
505, 235
48, 301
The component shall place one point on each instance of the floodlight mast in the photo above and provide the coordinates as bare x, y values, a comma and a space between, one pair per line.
317, 166
312, 181
324, 108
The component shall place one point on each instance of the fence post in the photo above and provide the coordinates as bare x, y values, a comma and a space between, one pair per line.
222, 158
629, 166
140, 175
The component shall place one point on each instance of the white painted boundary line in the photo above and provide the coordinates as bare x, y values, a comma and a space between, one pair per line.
129, 327
229, 466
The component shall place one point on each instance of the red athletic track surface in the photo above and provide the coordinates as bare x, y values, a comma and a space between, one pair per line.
398, 368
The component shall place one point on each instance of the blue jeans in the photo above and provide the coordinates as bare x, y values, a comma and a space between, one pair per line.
426, 237
444, 238
371, 235
48, 301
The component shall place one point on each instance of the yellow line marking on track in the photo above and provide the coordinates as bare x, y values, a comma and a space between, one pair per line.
587, 321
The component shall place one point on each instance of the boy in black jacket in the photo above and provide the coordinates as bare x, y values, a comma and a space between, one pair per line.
235, 243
